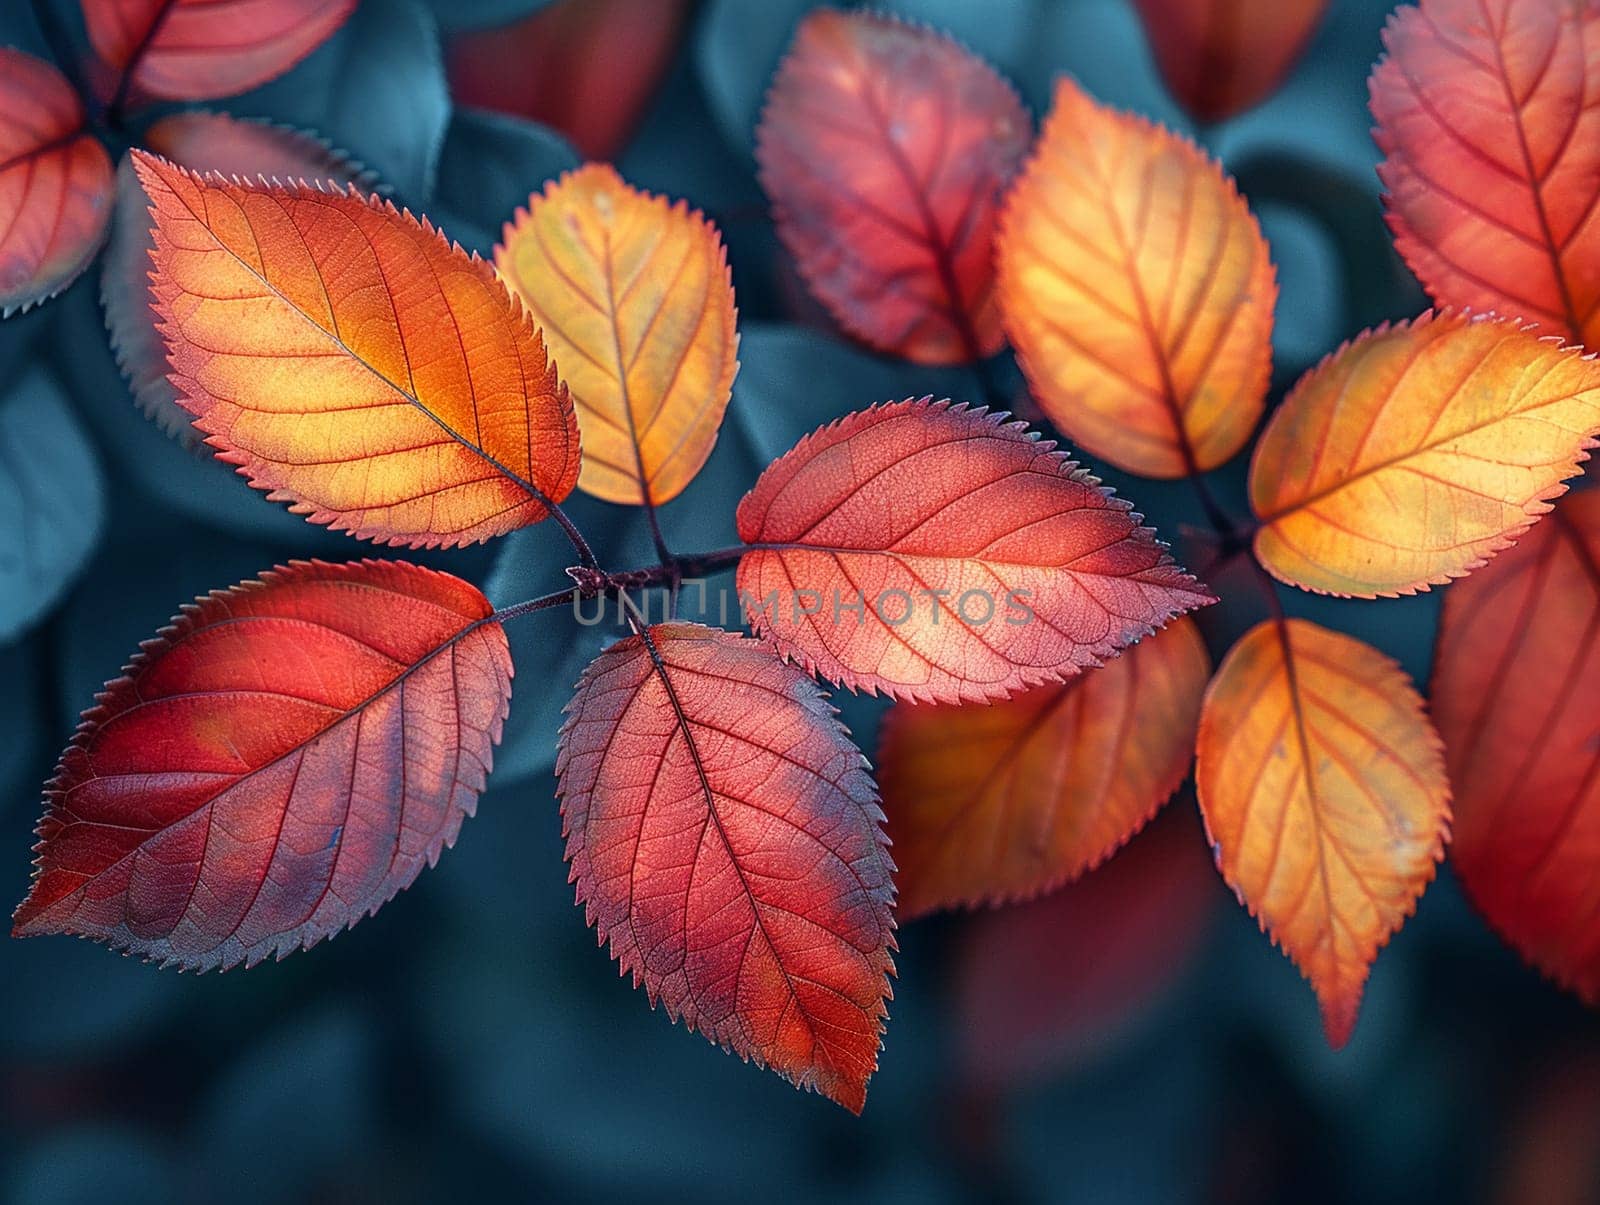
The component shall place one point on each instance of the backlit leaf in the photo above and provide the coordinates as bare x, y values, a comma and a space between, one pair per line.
1418, 451
353, 362
635, 300
1138, 292
202, 142
202, 49
938, 553
51, 495
884, 148
55, 183
724, 836
1516, 689
1322, 783
991, 803
277, 763
586, 67
1486, 116
1220, 57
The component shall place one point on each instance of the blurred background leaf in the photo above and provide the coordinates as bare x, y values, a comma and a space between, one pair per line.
471, 1040
490, 165
51, 484
376, 89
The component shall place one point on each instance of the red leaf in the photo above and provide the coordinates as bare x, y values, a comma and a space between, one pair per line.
203, 49
586, 67
1516, 694
55, 183
1044, 571
885, 148
1486, 113
725, 837
277, 763
202, 142
1047, 984
1220, 57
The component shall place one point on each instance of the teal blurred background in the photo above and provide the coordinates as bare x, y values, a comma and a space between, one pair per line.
1132, 1039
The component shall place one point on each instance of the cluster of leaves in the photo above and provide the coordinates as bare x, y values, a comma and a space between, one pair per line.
290, 752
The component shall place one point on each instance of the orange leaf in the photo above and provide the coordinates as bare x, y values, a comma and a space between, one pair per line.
55, 184
724, 836
1137, 290
1417, 452
1221, 57
635, 300
1516, 688
1486, 116
354, 362
585, 67
995, 803
938, 554
273, 766
203, 49
884, 148
202, 142
1323, 788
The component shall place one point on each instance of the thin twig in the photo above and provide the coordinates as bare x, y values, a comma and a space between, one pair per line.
579, 545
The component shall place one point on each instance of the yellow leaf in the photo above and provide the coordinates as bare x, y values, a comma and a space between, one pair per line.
636, 302
1137, 291
1415, 453
1323, 788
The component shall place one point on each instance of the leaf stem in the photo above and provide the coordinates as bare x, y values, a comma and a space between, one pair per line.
113, 112
543, 603
591, 581
574, 536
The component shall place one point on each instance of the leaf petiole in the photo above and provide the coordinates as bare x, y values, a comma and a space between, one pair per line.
591, 581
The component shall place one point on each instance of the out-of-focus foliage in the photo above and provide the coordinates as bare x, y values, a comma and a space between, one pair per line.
470, 1041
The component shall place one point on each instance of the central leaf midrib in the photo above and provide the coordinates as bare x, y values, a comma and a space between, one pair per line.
337, 340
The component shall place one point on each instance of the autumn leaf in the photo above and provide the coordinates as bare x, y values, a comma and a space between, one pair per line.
1486, 117
992, 803
1516, 690
939, 554
635, 300
353, 362
1415, 453
588, 68
1322, 783
1045, 986
273, 766
203, 49
1137, 290
884, 148
724, 836
55, 184
1221, 57
202, 142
